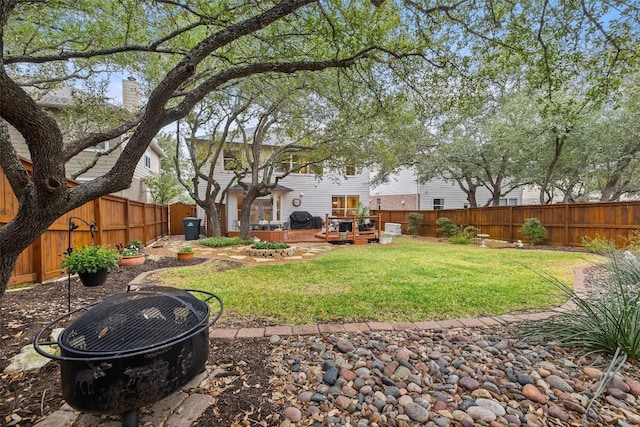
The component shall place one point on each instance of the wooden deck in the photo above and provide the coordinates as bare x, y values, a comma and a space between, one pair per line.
356, 238
317, 235
293, 236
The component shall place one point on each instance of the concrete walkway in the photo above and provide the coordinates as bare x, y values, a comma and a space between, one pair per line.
185, 406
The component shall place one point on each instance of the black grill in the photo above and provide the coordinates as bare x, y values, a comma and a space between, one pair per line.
135, 321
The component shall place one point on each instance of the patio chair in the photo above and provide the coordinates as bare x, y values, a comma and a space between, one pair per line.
285, 229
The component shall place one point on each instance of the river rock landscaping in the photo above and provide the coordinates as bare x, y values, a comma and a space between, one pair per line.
446, 377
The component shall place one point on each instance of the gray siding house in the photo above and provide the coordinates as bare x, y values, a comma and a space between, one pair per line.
148, 164
403, 192
333, 193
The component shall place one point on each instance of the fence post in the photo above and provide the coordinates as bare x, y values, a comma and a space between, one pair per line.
97, 213
566, 224
127, 222
145, 229
511, 237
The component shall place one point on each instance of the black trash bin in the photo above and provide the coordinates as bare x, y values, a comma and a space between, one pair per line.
191, 228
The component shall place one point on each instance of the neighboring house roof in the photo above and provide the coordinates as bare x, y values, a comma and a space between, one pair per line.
155, 147
63, 97
274, 137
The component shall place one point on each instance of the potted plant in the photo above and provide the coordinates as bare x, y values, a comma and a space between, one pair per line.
185, 253
137, 245
91, 263
363, 210
131, 256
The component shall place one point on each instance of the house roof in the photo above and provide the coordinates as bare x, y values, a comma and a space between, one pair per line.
155, 147
278, 187
275, 137
63, 97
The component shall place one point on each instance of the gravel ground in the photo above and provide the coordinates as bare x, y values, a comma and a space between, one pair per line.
440, 378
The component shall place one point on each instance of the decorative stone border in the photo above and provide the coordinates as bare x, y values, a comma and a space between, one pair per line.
271, 253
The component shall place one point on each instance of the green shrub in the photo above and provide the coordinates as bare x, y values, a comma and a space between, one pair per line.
606, 323
415, 221
598, 245
135, 244
129, 252
186, 250
89, 259
632, 243
471, 230
220, 242
465, 236
534, 231
446, 227
460, 239
270, 245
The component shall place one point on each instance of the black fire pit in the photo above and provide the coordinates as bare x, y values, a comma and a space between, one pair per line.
131, 349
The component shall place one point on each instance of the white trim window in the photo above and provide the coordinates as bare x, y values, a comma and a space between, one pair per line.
343, 205
102, 146
147, 159
438, 204
508, 201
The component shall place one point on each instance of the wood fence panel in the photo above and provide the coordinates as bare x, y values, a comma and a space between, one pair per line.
152, 224
136, 222
177, 212
113, 220
42, 260
567, 224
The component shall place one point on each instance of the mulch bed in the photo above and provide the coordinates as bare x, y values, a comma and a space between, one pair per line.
26, 398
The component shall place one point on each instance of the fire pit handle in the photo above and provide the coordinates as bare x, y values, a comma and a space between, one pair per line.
210, 296
37, 344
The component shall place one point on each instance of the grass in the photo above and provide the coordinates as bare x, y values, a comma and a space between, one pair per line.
410, 280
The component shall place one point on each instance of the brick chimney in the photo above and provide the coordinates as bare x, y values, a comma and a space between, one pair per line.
131, 94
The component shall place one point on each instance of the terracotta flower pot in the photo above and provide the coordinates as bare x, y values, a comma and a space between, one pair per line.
132, 260
185, 256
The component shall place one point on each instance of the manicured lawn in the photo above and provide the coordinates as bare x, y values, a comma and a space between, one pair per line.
409, 280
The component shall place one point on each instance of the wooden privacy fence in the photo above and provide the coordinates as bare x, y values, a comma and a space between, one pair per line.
566, 224
178, 211
118, 220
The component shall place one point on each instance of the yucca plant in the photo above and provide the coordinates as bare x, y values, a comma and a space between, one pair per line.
607, 323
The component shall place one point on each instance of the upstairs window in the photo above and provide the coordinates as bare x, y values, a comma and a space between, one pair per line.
297, 164
230, 160
438, 204
147, 160
103, 146
350, 170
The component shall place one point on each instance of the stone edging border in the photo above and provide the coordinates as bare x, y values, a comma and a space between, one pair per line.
365, 327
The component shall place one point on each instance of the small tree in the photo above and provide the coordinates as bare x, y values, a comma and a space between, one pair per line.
446, 227
415, 221
534, 231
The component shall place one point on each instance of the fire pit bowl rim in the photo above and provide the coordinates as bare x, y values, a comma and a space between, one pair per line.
38, 343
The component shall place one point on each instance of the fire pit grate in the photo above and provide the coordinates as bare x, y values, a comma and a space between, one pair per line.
134, 321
